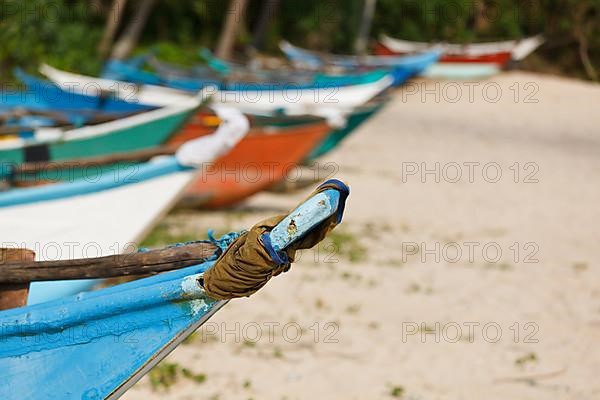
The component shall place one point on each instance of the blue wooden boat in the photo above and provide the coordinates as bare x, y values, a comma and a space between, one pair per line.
44, 104
23, 120
97, 345
122, 70
218, 70
45, 95
253, 100
410, 65
401, 75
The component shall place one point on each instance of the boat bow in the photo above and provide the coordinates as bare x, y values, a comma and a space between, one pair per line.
97, 345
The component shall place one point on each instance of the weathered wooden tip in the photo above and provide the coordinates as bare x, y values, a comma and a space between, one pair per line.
13, 295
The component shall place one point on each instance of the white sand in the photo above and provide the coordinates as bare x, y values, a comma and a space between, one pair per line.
373, 300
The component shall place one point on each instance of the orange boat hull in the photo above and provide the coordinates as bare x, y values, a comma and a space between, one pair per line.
260, 160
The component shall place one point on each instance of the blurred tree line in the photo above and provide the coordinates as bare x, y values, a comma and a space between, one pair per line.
79, 35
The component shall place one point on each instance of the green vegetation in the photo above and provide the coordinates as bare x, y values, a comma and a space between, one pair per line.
167, 233
162, 235
526, 359
163, 376
198, 378
397, 391
68, 33
345, 244
416, 288
166, 374
277, 352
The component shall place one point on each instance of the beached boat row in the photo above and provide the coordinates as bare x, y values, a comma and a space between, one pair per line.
90, 164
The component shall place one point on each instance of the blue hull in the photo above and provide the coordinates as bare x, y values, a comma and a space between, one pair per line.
97, 345
91, 346
42, 95
411, 65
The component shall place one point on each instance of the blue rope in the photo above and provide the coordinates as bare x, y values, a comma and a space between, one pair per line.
225, 241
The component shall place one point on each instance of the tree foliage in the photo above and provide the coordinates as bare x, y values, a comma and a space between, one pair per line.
67, 33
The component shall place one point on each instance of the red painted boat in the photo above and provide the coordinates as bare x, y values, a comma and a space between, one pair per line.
263, 158
500, 58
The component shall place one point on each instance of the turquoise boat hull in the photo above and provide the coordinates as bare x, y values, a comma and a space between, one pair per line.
336, 137
125, 71
461, 71
145, 135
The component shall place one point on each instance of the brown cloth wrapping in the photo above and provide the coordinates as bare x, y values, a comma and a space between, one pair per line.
246, 266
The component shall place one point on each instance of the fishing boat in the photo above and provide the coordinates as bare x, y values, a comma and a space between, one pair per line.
262, 159
500, 58
36, 89
499, 53
274, 147
291, 100
109, 210
23, 121
332, 76
135, 132
97, 345
228, 75
407, 64
239, 80
42, 95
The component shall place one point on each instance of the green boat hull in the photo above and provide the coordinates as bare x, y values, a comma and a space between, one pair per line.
143, 136
355, 120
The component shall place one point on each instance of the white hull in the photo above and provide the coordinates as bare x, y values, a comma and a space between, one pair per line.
293, 100
98, 224
518, 48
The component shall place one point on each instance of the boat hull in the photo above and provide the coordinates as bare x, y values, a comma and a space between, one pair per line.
78, 230
96, 345
462, 71
354, 121
518, 49
292, 100
259, 161
117, 138
499, 58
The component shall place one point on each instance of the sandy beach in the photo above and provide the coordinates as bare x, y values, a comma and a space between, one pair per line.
466, 266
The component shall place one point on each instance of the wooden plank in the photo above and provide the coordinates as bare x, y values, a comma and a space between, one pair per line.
143, 263
13, 295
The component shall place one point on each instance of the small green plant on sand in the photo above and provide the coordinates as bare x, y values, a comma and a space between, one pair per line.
526, 359
163, 376
397, 391
162, 235
166, 374
344, 244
